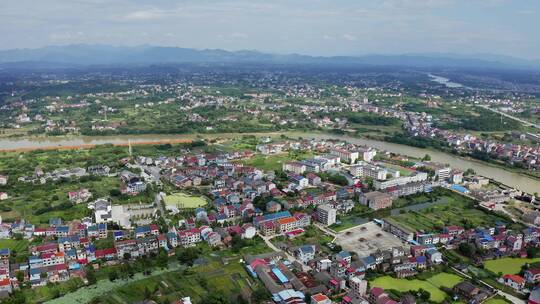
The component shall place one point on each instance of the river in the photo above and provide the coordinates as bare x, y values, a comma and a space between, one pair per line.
509, 178
516, 180
445, 81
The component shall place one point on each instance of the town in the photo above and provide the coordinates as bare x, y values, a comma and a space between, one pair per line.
314, 221
494, 127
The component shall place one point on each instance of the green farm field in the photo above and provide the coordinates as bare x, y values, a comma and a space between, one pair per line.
508, 265
457, 210
432, 285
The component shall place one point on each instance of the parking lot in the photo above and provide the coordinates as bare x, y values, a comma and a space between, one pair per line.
367, 238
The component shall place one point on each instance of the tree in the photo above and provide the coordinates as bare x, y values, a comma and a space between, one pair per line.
188, 255
147, 292
260, 295
237, 243
90, 274
241, 300
469, 171
467, 249
162, 259
113, 275
426, 157
202, 281
215, 298
17, 297
424, 294
20, 276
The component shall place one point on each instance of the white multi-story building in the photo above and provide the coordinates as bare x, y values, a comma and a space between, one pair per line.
102, 210
368, 154
295, 167
345, 156
329, 161
189, 237
364, 169
358, 286
413, 178
326, 215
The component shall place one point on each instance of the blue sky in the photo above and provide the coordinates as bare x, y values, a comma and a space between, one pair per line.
315, 27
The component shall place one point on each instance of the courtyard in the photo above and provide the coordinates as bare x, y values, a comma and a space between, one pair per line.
366, 239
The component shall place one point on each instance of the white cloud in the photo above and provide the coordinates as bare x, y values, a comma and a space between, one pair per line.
350, 37
66, 36
151, 14
526, 12
239, 35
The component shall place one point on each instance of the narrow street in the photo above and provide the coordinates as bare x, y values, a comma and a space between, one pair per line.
289, 257
527, 123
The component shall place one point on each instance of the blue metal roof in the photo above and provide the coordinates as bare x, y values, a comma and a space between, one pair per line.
344, 254
281, 277
277, 215
142, 229
62, 228
368, 260
307, 249
459, 188
118, 233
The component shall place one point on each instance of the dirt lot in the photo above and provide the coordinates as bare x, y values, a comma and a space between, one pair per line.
373, 238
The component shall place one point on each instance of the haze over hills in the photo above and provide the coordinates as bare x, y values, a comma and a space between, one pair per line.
82, 54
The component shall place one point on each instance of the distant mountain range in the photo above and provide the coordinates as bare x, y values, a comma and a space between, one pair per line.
144, 55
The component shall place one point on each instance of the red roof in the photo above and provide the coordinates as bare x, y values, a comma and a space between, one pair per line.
257, 262
514, 277
103, 252
286, 220
47, 247
534, 271
319, 297
52, 254
235, 229
377, 291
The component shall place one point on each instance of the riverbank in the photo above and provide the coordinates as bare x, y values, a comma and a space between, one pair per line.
501, 174
89, 146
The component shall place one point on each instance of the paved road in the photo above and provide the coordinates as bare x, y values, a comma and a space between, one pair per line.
289, 257
326, 230
527, 123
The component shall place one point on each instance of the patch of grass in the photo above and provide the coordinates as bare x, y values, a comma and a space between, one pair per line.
404, 285
274, 162
14, 245
445, 279
182, 201
497, 300
508, 265
347, 221
311, 236
402, 170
